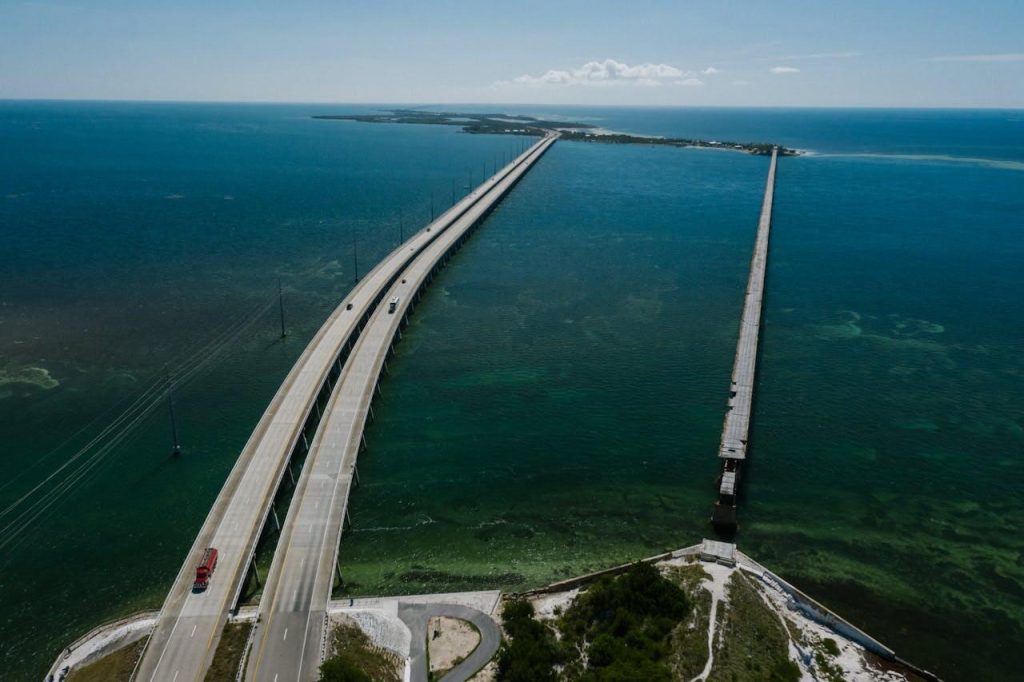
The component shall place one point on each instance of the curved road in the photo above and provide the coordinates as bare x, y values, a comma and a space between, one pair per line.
416, 616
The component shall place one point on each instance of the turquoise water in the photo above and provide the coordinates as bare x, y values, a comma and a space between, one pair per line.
556, 403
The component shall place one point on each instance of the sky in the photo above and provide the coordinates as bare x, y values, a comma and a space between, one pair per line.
892, 53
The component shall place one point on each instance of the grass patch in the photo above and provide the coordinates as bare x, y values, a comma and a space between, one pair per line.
754, 647
690, 638
355, 659
229, 653
824, 651
117, 666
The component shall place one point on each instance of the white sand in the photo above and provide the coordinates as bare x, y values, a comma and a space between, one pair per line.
449, 640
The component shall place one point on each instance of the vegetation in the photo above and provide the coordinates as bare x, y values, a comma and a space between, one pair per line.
758, 148
357, 659
229, 653
117, 666
754, 645
507, 124
690, 639
618, 630
622, 624
493, 124
341, 669
530, 653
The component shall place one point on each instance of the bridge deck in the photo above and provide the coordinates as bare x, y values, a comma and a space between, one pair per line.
289, 641
735, 430
189, 627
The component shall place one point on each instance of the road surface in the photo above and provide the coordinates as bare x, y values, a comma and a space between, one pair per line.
291, 636
190, 624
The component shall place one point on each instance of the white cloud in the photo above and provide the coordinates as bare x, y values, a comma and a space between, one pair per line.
690, 82
784, 69
602, 73
1005, 57
710, 71
821, 55
741, 83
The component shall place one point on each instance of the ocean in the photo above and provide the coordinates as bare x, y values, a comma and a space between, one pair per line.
556, 402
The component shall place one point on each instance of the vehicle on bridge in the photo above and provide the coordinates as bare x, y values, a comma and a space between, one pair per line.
205, 569
392, 305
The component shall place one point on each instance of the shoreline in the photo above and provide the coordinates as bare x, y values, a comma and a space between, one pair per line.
861, 657
569, 131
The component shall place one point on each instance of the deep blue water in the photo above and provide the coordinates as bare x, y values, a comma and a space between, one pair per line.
557, 402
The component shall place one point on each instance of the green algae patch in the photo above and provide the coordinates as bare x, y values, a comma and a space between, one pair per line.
38, 377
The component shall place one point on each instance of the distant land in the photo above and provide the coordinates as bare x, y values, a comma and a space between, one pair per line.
575, 131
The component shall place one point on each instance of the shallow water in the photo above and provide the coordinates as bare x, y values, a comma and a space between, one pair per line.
555, 405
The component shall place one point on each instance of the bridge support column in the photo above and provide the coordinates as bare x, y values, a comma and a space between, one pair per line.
355, 475
255, 571
348, 519
290, 474
277, 521
337, 572
305, 441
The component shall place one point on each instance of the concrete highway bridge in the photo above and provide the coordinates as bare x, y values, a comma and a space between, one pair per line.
327, 394
319, 414
736, 429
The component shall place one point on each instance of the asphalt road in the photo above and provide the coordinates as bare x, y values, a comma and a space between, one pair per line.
416, 617
289, 642
190, 624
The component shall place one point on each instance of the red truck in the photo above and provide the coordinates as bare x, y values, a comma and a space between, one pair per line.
205, 569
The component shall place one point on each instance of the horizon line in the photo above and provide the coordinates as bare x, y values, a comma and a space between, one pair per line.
897, 107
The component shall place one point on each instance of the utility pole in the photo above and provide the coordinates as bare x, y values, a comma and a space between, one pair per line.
176, 446
280, 307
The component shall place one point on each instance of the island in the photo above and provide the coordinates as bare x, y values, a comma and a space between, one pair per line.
572, 131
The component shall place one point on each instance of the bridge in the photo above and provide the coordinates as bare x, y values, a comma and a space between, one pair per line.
319, 413
301, 577
346, 353
736, 429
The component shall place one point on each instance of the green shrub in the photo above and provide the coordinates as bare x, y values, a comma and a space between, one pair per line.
339, 669
531, 652
625, 622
